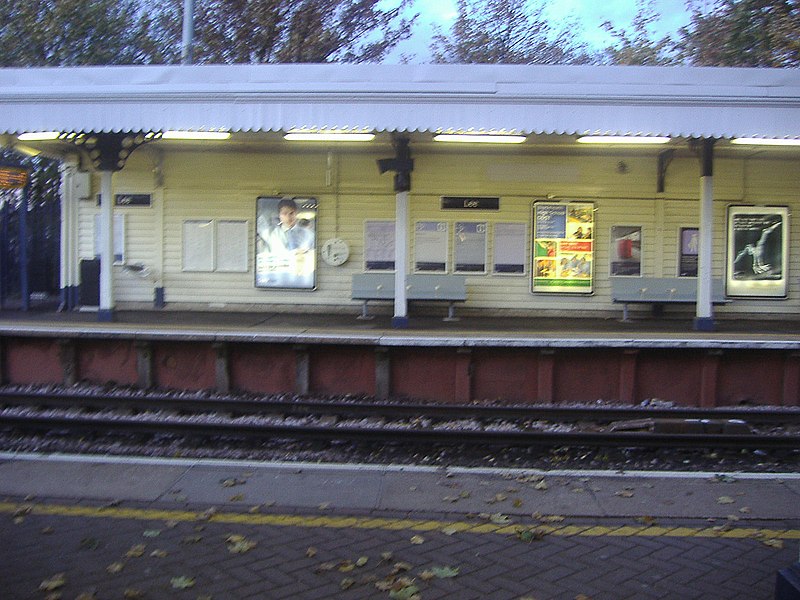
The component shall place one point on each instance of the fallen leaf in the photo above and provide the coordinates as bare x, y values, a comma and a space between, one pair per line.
517, 503
311, 552
54, 582
115, 567
725, 500
444, 572
133, 594
151, 533
646, 520
450, 530
541, 486
346, 566
182, 582
745, 510
159, 554
89, 544
254, 509
427, 575
326, 566
528, 535
386, 556
500, 519
624, 494
346, 583
135, 551
417, 539
231, 482
237, 498
324, 505
238, 544
773, 543
362, 560
47, 530
400, 567
719, 478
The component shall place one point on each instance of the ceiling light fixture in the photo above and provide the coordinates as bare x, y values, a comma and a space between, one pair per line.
38, 136
195, 135
329, 135
766, 141
480, 138
623, 139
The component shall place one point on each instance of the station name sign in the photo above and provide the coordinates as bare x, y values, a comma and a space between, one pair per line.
470, 203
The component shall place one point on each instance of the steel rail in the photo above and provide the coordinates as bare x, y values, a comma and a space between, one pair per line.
305, 407
138, 424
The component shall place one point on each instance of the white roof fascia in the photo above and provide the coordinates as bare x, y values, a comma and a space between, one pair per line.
674, 101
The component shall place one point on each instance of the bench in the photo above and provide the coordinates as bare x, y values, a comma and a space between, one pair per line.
659, 291
380, 286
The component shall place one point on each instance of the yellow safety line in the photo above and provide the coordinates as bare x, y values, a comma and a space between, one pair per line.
417, 525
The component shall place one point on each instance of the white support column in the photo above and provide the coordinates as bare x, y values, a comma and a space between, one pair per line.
69, 268
400, 318
704, 319
106, 247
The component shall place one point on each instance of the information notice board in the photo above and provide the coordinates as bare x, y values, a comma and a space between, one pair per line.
563, 247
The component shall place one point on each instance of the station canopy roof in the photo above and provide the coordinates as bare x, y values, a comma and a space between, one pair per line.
687, 102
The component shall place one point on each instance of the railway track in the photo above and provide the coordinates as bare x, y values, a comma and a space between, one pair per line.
300, 419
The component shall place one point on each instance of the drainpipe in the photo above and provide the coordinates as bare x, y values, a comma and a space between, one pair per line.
704, 320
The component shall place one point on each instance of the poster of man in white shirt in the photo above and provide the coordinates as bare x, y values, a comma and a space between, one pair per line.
285, 242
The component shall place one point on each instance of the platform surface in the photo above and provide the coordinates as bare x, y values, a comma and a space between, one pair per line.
153, 528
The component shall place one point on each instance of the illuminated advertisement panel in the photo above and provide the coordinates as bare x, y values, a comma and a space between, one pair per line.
758, 251
563, 247
286, 243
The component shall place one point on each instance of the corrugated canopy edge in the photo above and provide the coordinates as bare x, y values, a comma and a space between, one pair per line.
674, 101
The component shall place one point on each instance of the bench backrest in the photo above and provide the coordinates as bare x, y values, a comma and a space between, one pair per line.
379, 286
662, 289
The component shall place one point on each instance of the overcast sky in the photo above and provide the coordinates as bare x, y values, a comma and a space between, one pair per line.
590, 14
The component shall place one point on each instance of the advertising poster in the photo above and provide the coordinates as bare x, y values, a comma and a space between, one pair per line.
286, 243
758, 250
626, 251
563, 247
690, 245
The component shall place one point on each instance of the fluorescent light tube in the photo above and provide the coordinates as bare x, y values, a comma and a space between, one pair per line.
622, 139
766, 141
479, 138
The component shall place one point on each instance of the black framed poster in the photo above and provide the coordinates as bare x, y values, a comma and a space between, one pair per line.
626, 250
758, 251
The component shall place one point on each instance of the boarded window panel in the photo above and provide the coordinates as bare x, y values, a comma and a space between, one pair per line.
231, 245
379, 246
198, 245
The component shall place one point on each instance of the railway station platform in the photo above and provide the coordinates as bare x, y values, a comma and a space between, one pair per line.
106, 527
478, 358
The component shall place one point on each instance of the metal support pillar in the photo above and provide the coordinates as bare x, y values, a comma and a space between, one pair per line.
106, 312
704, 319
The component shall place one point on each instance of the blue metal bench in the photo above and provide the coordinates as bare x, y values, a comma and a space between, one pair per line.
380, 286
659, 291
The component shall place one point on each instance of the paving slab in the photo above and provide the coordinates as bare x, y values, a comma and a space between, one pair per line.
97, 480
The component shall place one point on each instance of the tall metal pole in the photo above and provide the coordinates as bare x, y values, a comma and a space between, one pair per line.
704, 320
24, 282
106, 312
188, 32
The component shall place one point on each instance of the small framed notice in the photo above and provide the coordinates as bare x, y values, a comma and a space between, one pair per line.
430, 246
469, 247
510, 248
379, 245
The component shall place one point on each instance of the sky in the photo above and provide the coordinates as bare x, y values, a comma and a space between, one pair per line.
590, 14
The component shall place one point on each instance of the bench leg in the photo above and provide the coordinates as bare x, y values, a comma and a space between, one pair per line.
451, 313
364, 316
625, 312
